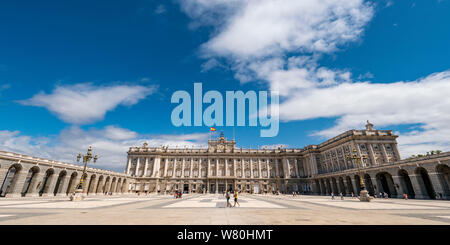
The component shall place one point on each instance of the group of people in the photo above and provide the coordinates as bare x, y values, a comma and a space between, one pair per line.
228, 196
340, 194
178, 194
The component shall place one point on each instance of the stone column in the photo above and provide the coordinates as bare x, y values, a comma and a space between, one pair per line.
217, 167
146, 166
384, 152
51, 183
217, 186
33, 190
397, 182
251, 168
191, 168
396, 152
175, 167
436, 183
371, 154
166, 162
277, 171
136, 171
226, 168
297, 174
286, 169
234, 169
156, 167
417, 184
208, 169
259, 169
63, 184
129, 165
16, 186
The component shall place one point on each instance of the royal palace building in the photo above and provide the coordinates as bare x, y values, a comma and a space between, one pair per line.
315, 169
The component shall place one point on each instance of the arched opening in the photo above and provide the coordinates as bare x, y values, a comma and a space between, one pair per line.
335, 187
386, 184
91, 185
369, 184
318, 190
342, 186
358, 184
71, 186
10, 180
349, 185
444, 178
46, 181
405, 181
59, 182
30, 180
425, 182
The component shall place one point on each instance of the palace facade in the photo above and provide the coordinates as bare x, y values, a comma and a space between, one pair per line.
314, 169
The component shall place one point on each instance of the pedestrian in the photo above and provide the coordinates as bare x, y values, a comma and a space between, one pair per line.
228, 199
381, 195
332, 195
342, 196
236, 199
405, 196
386, 195
353, 195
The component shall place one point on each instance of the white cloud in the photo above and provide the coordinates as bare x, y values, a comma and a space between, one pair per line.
281, 42
260, 28
110, 143
86, 103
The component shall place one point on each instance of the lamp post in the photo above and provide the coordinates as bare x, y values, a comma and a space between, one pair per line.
364, 194
78, 196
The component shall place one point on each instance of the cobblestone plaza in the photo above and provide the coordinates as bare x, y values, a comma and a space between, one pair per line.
209, 209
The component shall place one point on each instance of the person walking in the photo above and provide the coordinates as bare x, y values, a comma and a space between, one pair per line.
342, 196
227, 195
353, 195
236, 199
332, 195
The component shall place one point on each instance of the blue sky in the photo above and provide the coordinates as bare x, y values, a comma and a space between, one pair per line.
338, 64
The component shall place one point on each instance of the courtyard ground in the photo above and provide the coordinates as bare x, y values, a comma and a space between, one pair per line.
208, 209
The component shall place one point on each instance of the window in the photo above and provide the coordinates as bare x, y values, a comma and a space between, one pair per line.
186, 172
178, 173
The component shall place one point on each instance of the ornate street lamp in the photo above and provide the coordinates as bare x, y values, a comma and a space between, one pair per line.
78, 196
364, 194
